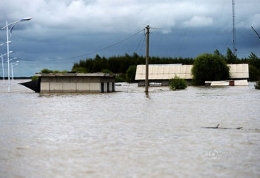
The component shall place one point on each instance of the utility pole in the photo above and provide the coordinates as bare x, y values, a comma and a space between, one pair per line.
3, 69
147, 60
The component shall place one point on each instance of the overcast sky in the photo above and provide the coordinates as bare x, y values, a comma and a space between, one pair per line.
62, 32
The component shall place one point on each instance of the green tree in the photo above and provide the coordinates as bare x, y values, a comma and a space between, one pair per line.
254, 73
253, 56
130, 74
254, 67
217, 52
120, 64
209, 67
231, 58
254, 60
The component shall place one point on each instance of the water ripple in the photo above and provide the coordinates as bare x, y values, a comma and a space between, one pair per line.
126, 134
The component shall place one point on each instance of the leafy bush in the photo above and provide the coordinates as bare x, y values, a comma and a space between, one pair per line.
46, 71
59, 71
257, 85
79, 69
35, 78
177, 83
209, 67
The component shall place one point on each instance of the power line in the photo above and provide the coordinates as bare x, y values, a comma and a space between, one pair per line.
104, 48
140, 44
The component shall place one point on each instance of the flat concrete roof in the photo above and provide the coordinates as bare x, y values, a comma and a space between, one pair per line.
75, 75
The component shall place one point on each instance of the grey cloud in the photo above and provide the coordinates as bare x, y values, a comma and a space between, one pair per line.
63, 29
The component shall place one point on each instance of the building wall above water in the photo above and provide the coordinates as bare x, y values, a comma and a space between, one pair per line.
166, 72
76, 83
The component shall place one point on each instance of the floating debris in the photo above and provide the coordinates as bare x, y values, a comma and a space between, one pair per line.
217, 127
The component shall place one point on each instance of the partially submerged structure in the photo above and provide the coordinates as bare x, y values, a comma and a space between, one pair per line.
72, 83
160, 74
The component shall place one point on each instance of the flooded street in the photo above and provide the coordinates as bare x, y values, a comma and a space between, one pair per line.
126, 134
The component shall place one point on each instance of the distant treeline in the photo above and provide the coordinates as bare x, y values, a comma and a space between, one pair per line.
122, 64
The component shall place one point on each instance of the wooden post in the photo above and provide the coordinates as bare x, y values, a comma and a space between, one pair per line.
147, 60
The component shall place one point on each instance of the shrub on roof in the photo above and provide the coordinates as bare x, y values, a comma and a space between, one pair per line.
35, 78
46, 71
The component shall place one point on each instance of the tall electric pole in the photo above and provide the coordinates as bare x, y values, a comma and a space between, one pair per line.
234, 29
147, 59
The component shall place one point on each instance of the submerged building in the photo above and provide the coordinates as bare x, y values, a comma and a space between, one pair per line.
160, 74
73, 83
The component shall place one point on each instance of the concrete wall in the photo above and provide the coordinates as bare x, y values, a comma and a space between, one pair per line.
239, 71
76, 84
72, 87
83, 87
164, 72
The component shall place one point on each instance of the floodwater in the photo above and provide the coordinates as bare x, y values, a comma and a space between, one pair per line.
126, 134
